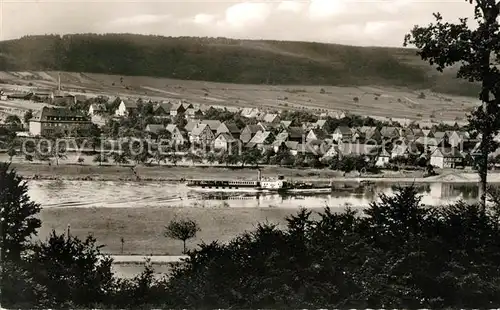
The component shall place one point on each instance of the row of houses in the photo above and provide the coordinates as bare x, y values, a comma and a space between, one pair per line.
438, 147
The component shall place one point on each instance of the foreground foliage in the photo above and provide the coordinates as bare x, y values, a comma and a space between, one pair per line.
396, 253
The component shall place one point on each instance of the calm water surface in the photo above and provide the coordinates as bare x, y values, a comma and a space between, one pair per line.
53, 194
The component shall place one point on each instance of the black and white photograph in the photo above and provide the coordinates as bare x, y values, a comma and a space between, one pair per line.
280, 154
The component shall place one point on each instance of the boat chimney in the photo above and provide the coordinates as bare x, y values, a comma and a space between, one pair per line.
259, 175
59, 81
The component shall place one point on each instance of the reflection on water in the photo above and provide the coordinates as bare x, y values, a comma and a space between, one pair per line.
151, 194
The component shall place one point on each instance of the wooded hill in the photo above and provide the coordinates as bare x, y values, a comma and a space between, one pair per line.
228, 60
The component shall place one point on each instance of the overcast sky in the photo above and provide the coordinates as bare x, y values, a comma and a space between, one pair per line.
380, 23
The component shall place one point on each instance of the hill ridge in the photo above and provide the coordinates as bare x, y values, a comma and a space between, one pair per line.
229, 61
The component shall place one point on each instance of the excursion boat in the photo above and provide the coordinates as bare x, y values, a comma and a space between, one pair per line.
278, 184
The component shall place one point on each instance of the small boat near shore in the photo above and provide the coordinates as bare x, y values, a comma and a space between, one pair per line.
278, 184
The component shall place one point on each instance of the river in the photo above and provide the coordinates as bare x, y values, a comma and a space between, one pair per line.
138, 211
103, 194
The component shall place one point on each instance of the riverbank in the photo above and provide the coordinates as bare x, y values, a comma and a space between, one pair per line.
142, 228
36, 171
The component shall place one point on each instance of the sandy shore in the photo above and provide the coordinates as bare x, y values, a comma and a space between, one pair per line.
142, 228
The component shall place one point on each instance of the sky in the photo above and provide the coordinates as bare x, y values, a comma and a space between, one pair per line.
353, 22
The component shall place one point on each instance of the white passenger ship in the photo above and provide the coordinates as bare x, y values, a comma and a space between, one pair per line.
278, 184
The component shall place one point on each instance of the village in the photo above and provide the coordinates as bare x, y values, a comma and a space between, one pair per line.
232, 135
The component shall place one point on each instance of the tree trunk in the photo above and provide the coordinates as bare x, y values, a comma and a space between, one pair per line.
483, 170
184, 251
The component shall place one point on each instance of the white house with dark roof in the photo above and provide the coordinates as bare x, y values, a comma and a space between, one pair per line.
230, 128
212, 124
446, 158
344, 133
226, 142
126, 107
162, 109
383, 158
178, 137
201, 133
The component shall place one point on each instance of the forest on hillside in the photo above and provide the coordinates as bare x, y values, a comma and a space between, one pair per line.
228, 60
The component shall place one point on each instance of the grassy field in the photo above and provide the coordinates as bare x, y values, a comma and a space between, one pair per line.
142, 228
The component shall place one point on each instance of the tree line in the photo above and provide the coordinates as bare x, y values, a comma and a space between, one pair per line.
395, 253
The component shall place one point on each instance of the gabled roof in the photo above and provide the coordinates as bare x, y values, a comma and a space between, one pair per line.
59, 112
212, 124
198, 129
193, 111
365, 129
269, 118
254, 128
268, 126
344, 130
388, 131
439, 134
295, 132
227, 137
260, 137
154, 128
190, 125
320, 134
286, 124
246, 111
171, 128
130, 104
428, 141
320, 123
177, 107
166, 106
231, 127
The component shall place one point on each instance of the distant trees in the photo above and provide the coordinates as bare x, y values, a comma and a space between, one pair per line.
27, 116
183, 229
14, 122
